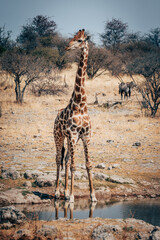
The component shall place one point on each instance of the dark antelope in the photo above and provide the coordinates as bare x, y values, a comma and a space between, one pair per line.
125, 89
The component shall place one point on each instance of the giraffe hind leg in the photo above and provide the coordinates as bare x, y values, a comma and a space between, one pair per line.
89, 169
62, 156
72, 166
59, 141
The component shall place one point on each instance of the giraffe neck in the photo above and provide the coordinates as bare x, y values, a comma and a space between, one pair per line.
79, 94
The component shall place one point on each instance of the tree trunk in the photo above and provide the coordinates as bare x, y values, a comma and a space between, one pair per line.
154, 110
19, 96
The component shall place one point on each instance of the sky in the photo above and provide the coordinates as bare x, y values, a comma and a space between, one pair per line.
72, 15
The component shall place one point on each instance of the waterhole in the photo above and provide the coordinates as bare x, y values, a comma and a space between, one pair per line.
147, 210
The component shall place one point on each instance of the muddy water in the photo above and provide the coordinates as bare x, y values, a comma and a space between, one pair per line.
147, 210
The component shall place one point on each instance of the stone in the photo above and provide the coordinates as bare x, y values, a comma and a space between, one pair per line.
153, 195
105, 231
155, 234
85, 175
6, 225
11, 215
130, 222
20, 196
109, 168
101, 165
116, 165
9, 173
47, 231
81, 185
110, 141
45, 181
101, 176
82, 166
103, 190
27, 184
136, 144
78, 175
1, 186
32, 174
23, 234
127, 160
118, 179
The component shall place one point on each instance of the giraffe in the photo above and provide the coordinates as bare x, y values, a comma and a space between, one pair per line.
73, 123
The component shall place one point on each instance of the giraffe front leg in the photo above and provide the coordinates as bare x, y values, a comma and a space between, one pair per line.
73, 168
58, 162
92, 193
72, 186
66, 192
57, 193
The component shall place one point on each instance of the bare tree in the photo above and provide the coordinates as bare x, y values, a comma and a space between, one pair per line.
153, 37
98, 61
49, 85
25, 69
149, 67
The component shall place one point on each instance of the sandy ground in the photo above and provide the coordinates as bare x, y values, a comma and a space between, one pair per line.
26, 134
26, 131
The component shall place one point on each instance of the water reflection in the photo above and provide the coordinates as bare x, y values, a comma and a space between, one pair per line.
147, 210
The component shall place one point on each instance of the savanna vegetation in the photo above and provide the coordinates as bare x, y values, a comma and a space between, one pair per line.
39, 50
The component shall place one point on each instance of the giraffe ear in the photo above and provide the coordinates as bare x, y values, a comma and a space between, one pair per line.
87, 38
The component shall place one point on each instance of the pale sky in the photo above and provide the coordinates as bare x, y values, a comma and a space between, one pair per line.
72, 15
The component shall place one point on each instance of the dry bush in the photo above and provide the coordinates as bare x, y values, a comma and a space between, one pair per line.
6, 80
50, 85
24, 69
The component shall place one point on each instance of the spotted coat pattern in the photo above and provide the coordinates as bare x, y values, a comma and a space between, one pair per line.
73, 122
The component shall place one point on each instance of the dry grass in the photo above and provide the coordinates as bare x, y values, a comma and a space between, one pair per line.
27, 139
26, 142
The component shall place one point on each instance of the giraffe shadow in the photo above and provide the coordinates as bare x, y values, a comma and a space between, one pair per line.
43, 196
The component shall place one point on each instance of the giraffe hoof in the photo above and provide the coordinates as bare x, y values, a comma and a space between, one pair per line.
66, 195
57, 194
93, 198
71, 199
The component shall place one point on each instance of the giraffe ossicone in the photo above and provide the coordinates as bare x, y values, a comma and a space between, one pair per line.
73, 123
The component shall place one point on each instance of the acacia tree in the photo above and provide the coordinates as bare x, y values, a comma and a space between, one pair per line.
39, 38
114, 33
32, 33
5, 40
25, 69
149, 67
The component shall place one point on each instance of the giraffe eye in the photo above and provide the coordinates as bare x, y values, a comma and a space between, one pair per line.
79, 40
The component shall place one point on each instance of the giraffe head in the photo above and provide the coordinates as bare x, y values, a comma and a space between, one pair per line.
78, 41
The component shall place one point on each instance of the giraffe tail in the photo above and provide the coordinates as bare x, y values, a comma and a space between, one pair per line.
62, 156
